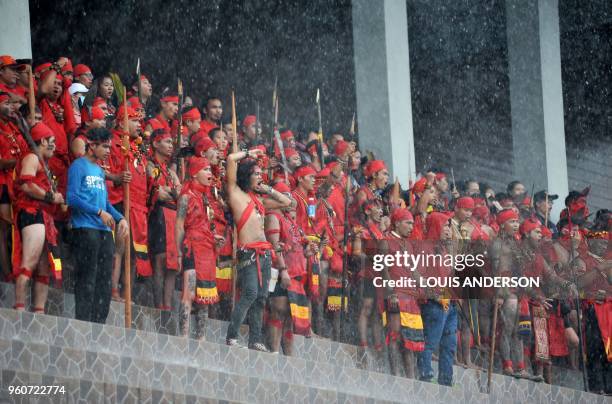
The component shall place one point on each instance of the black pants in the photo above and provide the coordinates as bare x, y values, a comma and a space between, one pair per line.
94, 264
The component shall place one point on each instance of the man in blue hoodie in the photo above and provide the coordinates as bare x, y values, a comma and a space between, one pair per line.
93, 219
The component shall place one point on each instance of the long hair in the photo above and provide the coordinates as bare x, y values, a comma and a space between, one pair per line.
243, 176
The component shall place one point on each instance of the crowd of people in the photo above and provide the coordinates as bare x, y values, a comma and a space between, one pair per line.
281, 228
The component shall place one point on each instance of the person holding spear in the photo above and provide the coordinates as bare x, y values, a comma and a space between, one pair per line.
35, 202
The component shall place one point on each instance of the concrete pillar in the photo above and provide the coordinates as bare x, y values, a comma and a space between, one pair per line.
536, 96
382, 80
15, 29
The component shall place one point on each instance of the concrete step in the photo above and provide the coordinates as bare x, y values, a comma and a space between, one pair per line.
111, 353
325, 354
87, 391
141, 376
316, 349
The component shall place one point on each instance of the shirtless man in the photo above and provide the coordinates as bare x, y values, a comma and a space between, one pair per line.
254, 251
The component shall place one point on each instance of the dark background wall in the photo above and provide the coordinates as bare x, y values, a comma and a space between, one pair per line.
461, 106
215, 46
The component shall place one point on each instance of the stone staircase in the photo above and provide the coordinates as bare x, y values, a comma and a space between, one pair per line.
149, 363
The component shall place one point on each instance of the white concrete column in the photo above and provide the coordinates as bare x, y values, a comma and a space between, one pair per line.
382, 80
536, 96
15, 29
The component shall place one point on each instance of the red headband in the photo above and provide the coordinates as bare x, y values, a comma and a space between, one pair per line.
131, 113
97, 113
192, 115
249, 120
480, 212
203, 145
465, 202
81, 69
159, 135
376, 166
135, 103
290, 152
341, 147
304, 171
435, 222
196, 164
505, 215
401, 214
528, 225
286, 135
170, 98
41, 131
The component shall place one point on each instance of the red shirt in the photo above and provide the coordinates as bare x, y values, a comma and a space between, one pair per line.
12, 146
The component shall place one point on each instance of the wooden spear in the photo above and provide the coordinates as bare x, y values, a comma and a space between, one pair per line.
235, 231
127, 275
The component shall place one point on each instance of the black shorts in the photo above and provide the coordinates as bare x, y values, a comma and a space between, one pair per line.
188, 261
157, 231
279, 291
4, 195
25, 219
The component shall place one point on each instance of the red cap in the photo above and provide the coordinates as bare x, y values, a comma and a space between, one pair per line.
81, 69
196, 164
465, 202
170, 98
304, 171
281, 187
203, 145
286, 135
435, 222
401, 214
440, 176
41, 131
528, 225
505, 215
249, 120
341, 147
192, 115
135, 103
7, 60
290, 152
97, 113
